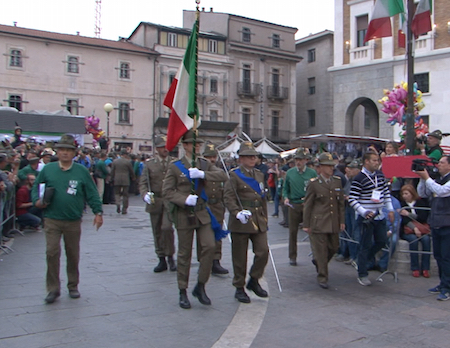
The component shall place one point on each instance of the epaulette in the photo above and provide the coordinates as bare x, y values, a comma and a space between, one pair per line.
233, 169
337, 177
314, 179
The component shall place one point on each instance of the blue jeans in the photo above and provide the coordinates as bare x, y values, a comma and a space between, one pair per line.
28, 219
373, 239
349, 249
441, 252
414, 246
276, 203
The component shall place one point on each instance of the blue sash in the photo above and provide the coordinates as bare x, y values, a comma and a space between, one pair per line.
252, 182
219, 233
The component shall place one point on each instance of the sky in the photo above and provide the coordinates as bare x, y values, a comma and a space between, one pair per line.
120, 17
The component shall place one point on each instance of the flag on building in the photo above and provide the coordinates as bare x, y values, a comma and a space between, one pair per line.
380, 22
182, 97
402, 30
421, 23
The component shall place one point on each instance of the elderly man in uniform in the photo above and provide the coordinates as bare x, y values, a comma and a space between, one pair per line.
294, 191
189, 213
324, 216
150, 187
122, 174
245, 199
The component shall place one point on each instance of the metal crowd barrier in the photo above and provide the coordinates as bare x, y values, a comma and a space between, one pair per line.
8, 217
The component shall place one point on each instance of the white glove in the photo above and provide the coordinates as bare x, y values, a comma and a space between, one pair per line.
191, 200
148, 198
243, 216
196, 173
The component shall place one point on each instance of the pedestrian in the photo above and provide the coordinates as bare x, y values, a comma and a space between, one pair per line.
369, 193
324, 216
150, 187
100, 174
72, 186
122, 174
246, 201
294, 191
190, 215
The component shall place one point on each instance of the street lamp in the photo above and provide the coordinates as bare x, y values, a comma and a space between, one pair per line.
108, 107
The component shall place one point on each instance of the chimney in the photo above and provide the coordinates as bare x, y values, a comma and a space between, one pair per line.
78, 33
15, 24
203, 9
210, 9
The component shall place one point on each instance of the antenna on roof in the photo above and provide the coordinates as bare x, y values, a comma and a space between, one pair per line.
98, 16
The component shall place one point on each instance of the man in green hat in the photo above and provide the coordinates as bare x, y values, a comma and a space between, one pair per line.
246, 201
294, 191
324, 216
72, 186
150, 187
189, 213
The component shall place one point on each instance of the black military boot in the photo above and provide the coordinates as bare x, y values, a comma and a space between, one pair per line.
241, 295
199, 292
162, 265
171, 262
184, 301
254, 286
217, 268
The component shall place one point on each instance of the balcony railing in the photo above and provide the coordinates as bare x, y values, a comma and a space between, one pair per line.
248, 89
277, 92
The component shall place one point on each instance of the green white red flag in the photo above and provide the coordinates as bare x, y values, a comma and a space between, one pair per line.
421, 23
380, 21
182, 97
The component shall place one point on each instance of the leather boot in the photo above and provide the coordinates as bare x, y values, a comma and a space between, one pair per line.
118, 209
241, 295
199, 292
217, 268
254, 286
171, 262
162, 265
184, 301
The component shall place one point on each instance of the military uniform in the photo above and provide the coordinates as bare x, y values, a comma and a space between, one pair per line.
122, 174
324, 213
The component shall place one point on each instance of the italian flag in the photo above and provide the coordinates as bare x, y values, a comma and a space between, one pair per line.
380, 22
421, 23
182, 97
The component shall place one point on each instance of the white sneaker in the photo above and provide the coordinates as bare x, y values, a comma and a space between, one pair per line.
364, 281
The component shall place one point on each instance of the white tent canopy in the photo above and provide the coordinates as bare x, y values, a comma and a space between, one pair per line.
266, 149
231, 147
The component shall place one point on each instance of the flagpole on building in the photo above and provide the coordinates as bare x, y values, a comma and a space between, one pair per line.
409, 117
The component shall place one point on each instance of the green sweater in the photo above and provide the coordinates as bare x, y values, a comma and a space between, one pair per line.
22, 174
72, 188
100, 169
295, 184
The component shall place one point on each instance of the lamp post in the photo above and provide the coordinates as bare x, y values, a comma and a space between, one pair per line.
108, 107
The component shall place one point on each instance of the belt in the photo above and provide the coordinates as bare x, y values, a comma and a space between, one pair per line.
251, 204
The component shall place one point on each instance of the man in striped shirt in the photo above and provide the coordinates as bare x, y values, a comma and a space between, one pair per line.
369, 193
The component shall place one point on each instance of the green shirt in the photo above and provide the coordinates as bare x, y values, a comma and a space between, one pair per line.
100, 169
22, 174
72, 188
295, 183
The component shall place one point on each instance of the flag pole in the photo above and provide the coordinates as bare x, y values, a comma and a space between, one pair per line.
409, 117
194, 128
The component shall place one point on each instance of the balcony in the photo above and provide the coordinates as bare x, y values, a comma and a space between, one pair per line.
277, 92
245, 89
278, 135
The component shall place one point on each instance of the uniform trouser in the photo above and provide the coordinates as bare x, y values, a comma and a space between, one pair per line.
162, 233
323, 246
239, 247
100, 187
71, 232
121, 190
205, 235
217, 250
295, 219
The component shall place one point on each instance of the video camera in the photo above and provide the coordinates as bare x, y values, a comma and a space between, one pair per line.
421, 139
429, 165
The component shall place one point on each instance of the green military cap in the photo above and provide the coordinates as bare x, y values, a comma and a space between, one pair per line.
302, 153
210, 150
354, 164
247, 149
188, 137
67, 141
160, 141
326, 159
436, 134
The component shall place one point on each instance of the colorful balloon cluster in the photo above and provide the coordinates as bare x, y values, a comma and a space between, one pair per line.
92, 124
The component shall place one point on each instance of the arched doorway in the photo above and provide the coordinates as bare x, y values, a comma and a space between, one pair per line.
362, 118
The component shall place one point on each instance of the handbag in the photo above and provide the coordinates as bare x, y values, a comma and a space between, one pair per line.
423, 228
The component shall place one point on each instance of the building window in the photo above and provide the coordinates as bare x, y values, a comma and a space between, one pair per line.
72, 65
312, 85
423, 82
361, 30
15, 101
172, 40
275, 123
246, 120
73, 106
311, 55
213, 86
246, 35
213, 115
212, 46
366, 119
124, 70
275, 89
311, 118
124, 112
276, 41
246, 78
171, 78
16, 58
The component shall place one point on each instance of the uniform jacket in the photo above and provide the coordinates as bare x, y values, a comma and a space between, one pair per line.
177, 187
122, 172
214, 191
324, 205
250, 200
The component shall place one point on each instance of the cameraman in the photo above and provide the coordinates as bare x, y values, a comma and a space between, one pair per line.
432, 149
439, 192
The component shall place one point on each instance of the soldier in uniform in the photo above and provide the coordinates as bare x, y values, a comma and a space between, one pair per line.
324, 216
245, 199
189, 214
214, 191
150, 187
122, 174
